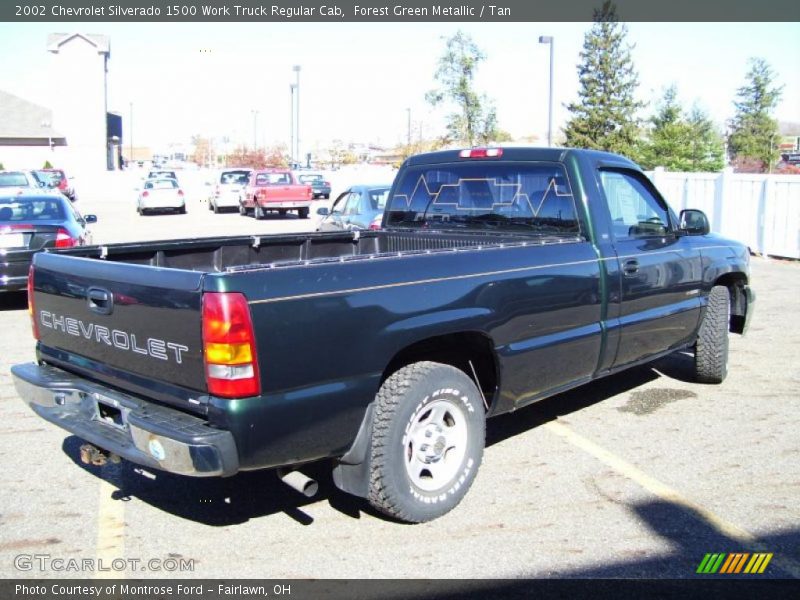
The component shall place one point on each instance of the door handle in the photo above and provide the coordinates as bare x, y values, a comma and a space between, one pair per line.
631, 267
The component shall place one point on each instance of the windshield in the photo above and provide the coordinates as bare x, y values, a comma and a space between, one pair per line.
513, 196
310, 178
13, 179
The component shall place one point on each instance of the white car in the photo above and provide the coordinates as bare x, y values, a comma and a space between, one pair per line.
161, 194
227, 189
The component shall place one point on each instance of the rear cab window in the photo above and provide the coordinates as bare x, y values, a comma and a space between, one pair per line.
524, 197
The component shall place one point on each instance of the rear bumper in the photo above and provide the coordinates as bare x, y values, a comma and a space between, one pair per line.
274, 205
144, 433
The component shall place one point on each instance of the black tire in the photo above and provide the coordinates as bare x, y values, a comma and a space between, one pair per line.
302, 213
182, 210
210, 205
258, 212
215, 208
411, 480
242, 209
282, 212
711, 349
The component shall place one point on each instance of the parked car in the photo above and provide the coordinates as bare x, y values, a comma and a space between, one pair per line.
276, 190
228, 189
358, 207
501, 276
58, 179
159, 195
320, 187
18, 182
30, 222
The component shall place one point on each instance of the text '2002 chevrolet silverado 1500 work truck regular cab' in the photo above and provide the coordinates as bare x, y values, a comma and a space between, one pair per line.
502, 276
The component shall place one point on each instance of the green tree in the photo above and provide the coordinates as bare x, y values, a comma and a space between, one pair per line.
753, 131
679, 142
475, 120
708, 147
604, 118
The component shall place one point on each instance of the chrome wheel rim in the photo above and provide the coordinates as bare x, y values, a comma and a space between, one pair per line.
435, 444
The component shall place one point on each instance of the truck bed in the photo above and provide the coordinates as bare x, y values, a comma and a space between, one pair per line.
228, 254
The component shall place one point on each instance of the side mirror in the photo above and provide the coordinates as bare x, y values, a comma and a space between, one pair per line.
90, 218
694, 222
323, 211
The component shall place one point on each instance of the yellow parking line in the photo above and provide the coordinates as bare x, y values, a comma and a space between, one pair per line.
665, 492
110, 532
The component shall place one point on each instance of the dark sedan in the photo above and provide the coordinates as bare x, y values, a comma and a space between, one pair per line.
33, 221
358, 207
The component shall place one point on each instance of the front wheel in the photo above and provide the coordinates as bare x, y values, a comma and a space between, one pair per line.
428, 435
711, 349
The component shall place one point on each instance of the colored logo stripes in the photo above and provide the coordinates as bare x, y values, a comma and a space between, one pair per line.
735, 562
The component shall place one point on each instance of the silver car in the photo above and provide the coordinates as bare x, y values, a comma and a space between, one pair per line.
227, 189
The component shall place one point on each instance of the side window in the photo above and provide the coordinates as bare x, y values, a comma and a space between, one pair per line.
352, 206
635, 212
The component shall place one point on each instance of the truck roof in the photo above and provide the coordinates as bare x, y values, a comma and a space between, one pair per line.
518, 153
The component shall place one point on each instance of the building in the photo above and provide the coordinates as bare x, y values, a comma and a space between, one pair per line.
76, 131
79, 68
27, 137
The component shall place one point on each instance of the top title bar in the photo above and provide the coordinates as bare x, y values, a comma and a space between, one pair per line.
393, 10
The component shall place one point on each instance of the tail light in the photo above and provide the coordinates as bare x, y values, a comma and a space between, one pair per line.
31, 310
376, 223
64, 239
481, 153
229, 346
145, 194
309, 191
180, 193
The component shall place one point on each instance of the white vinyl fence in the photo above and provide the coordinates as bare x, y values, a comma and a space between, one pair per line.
763, 211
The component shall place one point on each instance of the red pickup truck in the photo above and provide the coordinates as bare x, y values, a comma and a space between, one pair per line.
275, 189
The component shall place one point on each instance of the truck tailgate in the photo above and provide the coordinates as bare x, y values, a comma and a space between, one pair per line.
135, 319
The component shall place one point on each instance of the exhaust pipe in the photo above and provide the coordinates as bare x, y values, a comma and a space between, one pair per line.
299, 482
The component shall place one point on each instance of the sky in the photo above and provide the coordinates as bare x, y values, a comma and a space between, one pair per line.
357, 80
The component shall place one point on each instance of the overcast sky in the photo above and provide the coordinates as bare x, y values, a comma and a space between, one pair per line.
357, 79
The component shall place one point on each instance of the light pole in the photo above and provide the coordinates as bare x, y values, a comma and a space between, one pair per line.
130, 134
548, 39
409, 128
296, 70
292, 87
255, 121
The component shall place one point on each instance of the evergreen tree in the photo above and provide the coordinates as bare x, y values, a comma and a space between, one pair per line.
604, 118
680, 143
475, 121
753, 130
708, 147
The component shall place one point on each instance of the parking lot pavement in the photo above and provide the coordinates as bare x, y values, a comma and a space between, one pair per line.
639, 475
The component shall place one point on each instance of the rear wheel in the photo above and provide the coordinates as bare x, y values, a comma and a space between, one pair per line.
215, 208
302, 213
182, 210
242, 209
258, 212
428, 435
711, 349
